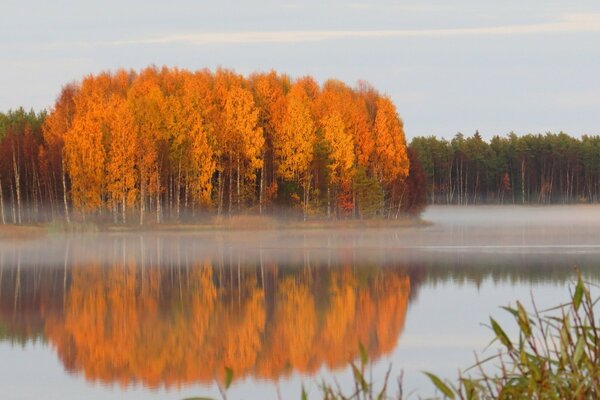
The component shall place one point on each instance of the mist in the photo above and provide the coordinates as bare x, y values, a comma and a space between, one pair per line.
475, 234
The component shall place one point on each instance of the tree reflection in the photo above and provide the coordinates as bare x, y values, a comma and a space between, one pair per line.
182, 322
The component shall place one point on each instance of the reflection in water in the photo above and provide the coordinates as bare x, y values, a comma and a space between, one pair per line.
167, 310
131, 320
170, 309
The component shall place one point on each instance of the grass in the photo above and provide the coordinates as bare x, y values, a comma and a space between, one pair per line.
556, 355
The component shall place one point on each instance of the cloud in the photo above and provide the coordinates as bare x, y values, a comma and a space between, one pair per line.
572, 23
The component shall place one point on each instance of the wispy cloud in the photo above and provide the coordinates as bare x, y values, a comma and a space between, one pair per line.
572, 23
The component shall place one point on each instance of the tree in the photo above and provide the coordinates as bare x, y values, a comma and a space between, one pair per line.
203, 165
390, 160
56, 125
85, 143
270, 97
341, 152
369, 194
294, 148
244, 137
146, 103
414, 198
121, 167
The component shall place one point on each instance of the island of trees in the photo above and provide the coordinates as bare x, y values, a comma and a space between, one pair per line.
170, 145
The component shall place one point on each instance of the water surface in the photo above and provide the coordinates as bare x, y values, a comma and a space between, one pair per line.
161, 315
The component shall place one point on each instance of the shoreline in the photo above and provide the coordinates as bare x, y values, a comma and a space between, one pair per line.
235, 223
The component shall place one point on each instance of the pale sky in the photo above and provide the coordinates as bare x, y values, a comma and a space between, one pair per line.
450, 66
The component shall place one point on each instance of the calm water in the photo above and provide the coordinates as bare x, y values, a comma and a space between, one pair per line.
129, 316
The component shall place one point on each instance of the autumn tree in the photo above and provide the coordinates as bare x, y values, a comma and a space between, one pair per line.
390, 159
121, 169
203, 163
269, 91
200, 110
245, 140
146, 101
341, 153
85, 143
294, 148
56, 125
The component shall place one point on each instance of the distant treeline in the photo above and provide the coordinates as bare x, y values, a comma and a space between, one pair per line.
529, 169
171, 145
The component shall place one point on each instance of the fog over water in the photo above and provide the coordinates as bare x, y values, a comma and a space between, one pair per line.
160, 314
481, 231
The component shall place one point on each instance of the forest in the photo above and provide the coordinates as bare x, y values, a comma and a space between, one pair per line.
530, 169
170, 145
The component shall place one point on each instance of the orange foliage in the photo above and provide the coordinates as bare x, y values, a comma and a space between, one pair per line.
391, 160
294, 147
121, 172
151, 140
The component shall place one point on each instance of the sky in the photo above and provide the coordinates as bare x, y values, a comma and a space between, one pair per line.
449, 66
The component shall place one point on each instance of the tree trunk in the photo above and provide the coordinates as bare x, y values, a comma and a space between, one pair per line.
40, 206
466, 190
170, 196
354, 211
142, 198
306, 196
52, 194
64, 184
34, 196
238, 183
400, 202
124, 209
178, 186
261, 187
305, 203
12, 203
523, 181
187, 189
328, 203
17, 186
220, 192
449, 185
433, 184
230, 187
158, 208
2, 205
391, 202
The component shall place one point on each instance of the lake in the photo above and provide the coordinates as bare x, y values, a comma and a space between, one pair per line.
162, 315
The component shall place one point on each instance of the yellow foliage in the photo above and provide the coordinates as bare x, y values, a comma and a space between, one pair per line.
391, 160
295, 146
